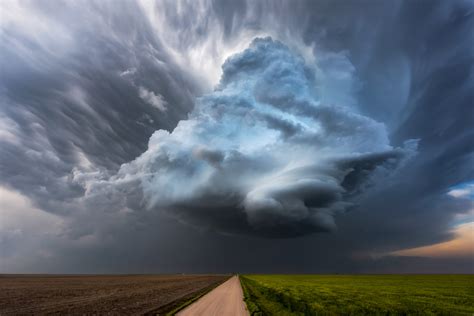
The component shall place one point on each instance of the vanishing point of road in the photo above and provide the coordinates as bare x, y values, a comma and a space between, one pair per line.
226, 299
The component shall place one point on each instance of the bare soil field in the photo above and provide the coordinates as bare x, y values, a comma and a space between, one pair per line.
99, 294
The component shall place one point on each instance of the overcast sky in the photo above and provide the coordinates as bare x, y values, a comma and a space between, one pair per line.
236, 136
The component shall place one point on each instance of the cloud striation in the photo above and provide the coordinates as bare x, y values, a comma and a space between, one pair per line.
322, 142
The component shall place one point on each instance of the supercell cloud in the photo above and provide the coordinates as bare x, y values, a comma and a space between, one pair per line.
261, 154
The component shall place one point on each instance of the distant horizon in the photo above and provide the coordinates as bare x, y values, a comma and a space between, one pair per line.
132, 274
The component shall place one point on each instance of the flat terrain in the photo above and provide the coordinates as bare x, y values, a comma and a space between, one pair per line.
359, 294
124, 294
227, 299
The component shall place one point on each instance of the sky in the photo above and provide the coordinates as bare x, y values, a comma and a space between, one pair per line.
236, 136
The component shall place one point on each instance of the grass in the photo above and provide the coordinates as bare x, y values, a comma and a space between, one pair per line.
359, 294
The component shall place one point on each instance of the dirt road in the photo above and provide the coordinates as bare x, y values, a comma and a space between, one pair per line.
226, 299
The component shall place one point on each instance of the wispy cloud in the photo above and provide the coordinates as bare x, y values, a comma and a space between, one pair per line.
155, 100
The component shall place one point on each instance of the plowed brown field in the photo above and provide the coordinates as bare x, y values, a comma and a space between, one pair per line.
100, 295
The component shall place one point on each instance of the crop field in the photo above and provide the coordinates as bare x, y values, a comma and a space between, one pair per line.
99, 295
359, 295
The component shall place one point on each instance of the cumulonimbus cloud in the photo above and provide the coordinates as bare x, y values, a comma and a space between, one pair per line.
260, 154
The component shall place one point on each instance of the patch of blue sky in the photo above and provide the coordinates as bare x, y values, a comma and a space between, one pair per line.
462, 190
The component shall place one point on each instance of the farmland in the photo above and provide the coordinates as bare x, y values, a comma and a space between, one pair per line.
104, 294
359, 295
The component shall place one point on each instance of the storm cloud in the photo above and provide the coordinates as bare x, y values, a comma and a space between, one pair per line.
261, 154
170, 132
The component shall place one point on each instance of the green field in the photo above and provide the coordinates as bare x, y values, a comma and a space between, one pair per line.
359, 294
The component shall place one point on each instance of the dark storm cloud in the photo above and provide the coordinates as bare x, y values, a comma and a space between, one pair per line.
72, 112
230, 167
76, 95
